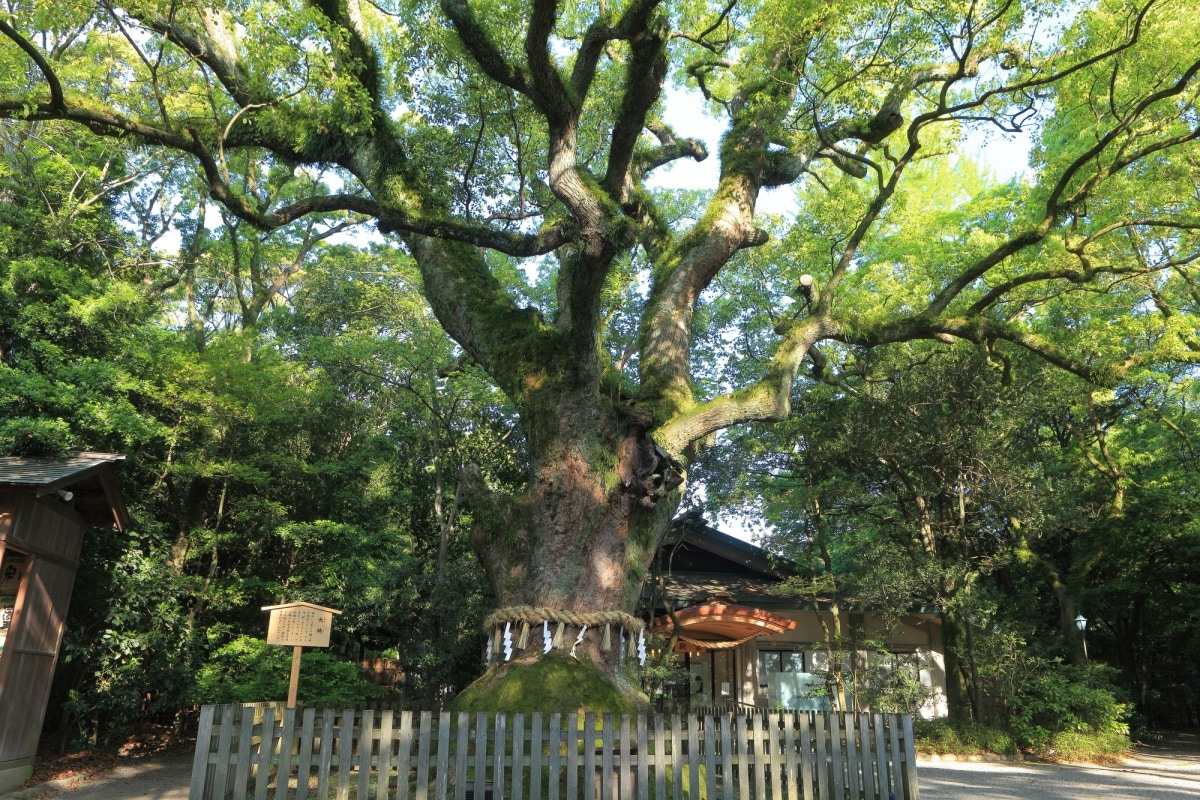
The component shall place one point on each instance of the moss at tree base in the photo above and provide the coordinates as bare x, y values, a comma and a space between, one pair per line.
549, 683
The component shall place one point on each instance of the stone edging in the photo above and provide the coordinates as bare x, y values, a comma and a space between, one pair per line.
970, 759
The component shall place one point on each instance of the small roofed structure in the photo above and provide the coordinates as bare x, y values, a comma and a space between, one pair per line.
747, 641
45, 504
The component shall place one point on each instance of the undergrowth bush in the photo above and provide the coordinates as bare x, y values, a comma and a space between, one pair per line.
1065, 699
961, 737
1059, 711
1073, 746
248, 670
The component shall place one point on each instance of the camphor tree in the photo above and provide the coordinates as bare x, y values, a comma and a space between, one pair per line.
502, 140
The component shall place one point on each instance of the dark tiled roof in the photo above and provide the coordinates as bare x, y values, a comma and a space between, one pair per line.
695, 587
51, 473
88, 477
691, 588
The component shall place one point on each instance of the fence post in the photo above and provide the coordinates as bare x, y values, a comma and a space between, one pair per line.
555, 760
572, 756
518, 756
366, 745
909, 767
535, 756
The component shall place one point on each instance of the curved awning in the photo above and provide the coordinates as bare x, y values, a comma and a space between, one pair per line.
723, 623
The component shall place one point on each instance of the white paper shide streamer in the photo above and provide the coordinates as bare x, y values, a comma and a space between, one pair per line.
642, 648
508, 641
578, 639
546, 638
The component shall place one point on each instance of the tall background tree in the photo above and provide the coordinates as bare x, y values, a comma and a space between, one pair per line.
300, 457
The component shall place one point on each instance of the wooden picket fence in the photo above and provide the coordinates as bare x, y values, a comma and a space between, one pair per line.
261, 751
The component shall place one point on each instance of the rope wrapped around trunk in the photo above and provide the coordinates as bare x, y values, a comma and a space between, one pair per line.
536, 614
528, 616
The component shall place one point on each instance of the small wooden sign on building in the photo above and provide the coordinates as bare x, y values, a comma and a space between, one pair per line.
299, 625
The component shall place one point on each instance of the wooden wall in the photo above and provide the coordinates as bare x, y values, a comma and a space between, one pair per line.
51, 535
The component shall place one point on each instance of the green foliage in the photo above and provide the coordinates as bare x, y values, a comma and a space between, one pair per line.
961, 737
891, 682
125, 654
35, 437
248, 670
1091, 746
276, 451
661, 675
1060, 699
1090, 728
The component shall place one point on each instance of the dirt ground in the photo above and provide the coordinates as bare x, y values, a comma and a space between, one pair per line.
151, 746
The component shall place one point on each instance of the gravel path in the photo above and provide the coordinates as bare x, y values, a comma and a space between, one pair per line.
1166, 770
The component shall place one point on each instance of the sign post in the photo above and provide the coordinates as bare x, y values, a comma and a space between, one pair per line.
299, 625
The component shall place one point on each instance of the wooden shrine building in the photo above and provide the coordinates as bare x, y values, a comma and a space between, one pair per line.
45, 504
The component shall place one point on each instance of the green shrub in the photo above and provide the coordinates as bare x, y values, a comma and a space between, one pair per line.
248, 670
961, 737
1064, 699
1072, 746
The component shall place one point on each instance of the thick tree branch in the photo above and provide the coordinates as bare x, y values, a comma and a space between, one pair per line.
643, 86
481, 48
767, 400
58, 100
978, 330
473, 307
214, 49
361, 60
650, 160
633, 25
726, 227
520, 245
548, 91
1001, 253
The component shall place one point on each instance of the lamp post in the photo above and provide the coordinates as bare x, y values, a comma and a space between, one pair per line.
1081, 624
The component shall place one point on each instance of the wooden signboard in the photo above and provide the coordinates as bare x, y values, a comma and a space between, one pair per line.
299, 625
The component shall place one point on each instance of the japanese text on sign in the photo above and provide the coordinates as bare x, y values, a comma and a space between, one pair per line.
299, 626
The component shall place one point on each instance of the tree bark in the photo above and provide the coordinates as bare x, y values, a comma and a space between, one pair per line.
957, 698
582, 536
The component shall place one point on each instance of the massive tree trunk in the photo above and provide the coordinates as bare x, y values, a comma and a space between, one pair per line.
583, 535
575, 547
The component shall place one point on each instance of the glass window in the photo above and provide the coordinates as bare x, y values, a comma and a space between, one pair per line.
770, 661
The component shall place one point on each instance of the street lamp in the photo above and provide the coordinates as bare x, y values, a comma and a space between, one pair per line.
1081, 624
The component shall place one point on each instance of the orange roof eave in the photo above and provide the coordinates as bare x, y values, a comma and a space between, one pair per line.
726, 620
